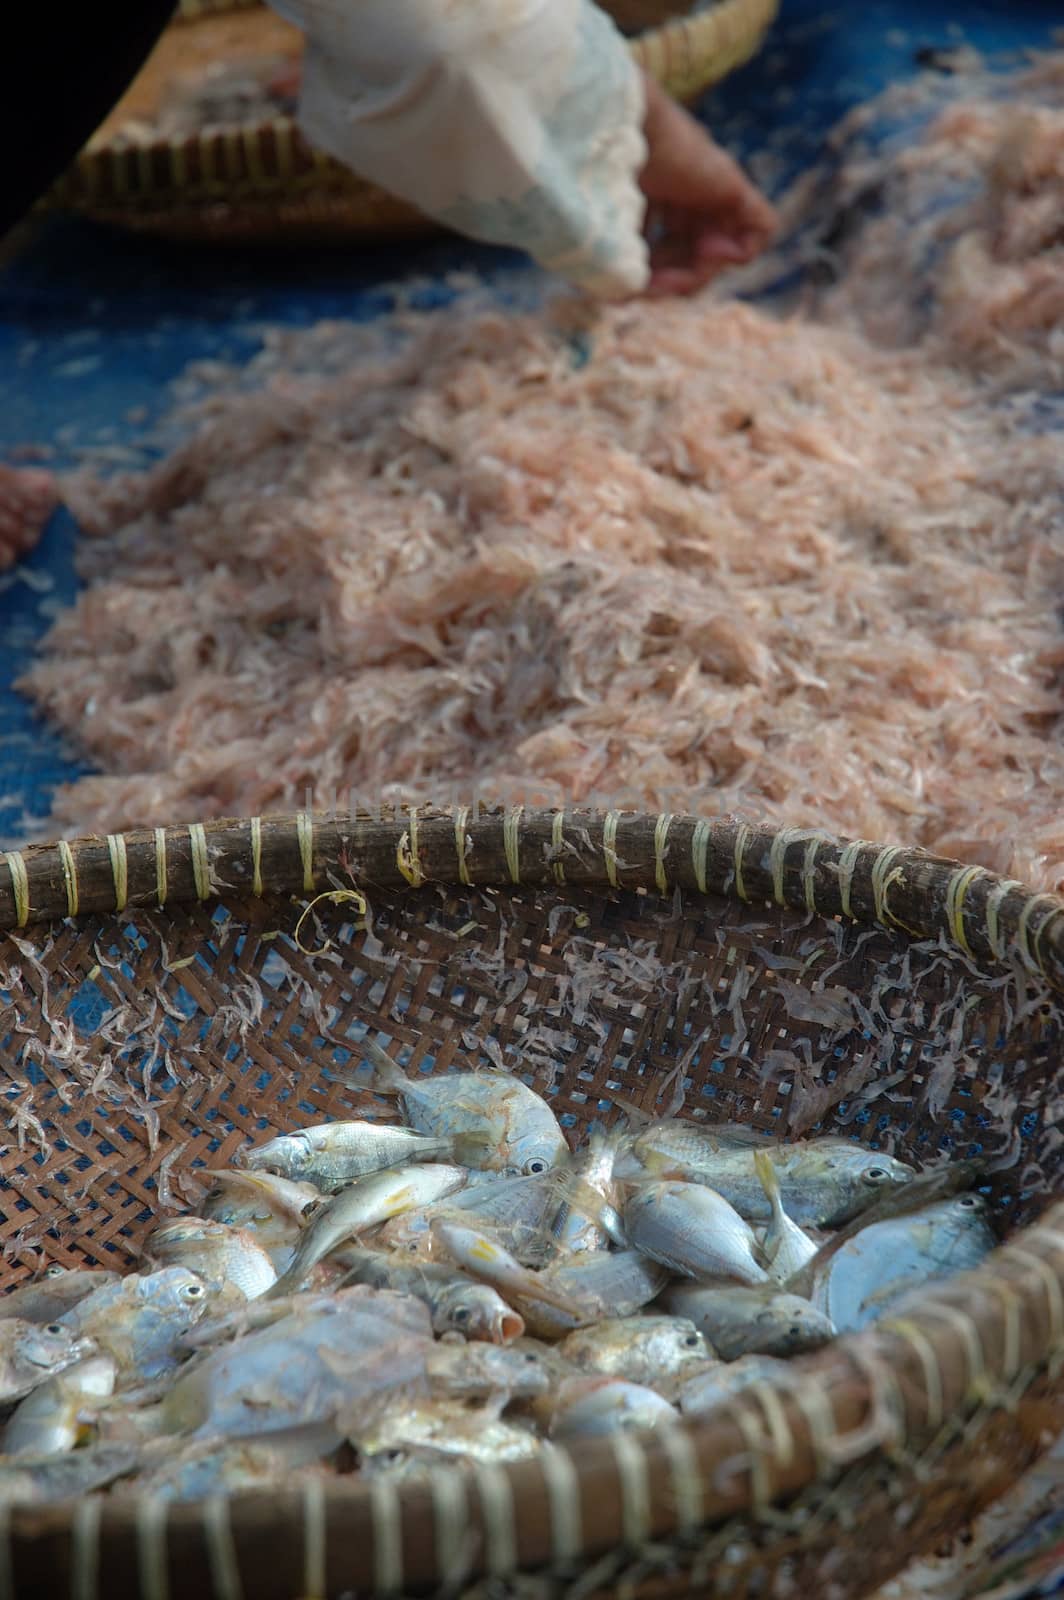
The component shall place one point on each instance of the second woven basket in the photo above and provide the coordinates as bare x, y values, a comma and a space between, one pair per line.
262, 181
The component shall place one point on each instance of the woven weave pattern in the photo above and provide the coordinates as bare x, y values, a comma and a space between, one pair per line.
170, 1027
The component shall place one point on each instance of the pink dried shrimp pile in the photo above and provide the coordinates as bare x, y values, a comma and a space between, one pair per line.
803, 567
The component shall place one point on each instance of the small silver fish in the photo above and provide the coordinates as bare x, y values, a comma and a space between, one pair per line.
44, 1480
531, 1293
273, 1209
480, 1371
414, 1464
869, 1274
366, 1203
251, 1198
941, 1182
588, 1196
823, 1182
569, 1294
741, 1321
339, 1349
520, 1130
446, 1427
513, 1210
723, 1379
335, 1154
140, 1319
456, 1303
219, 1254
59, 1290
693, 1231
587, 1408
49, 1421
786, 1248
643, 1349
199, 1470
614, 1283
31, 1353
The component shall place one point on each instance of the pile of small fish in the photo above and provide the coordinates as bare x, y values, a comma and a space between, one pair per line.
379, 1298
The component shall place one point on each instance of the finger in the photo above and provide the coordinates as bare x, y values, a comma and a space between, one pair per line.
27, 499
755, 211
665, 281
672, 252
677, 236
712, 246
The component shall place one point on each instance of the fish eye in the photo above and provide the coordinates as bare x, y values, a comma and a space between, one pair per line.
460, 1314
193, 1291
794, 1330
534, 1167
691, 1341
530, 1355
969, 1201
53, 1327
875, 1175
55, 1270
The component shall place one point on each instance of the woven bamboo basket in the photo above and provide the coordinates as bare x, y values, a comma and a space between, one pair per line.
165, 1004
262, 181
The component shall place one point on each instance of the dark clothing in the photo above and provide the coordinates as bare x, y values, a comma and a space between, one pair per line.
72, 70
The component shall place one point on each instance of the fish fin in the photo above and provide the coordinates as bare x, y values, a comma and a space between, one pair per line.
539, 1288
637, 1116
490, 1262
602, 1136
611, 1222
470, 1150
803, 1282
676, 1099
572, 1193
388, 1075
768, 1176
736, 1135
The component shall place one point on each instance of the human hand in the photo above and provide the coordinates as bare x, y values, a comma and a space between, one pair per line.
28, 497
703, 213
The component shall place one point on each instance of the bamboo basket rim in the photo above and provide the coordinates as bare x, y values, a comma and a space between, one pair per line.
979, 1342
901, 888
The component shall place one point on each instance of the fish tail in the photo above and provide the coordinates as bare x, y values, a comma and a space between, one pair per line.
541, 1288
611, 1222
388, 1075
606, 1144
765, 1168
291, 1280
287, 1283
524, 1283
483, 1258
258, 1184
635, 1114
